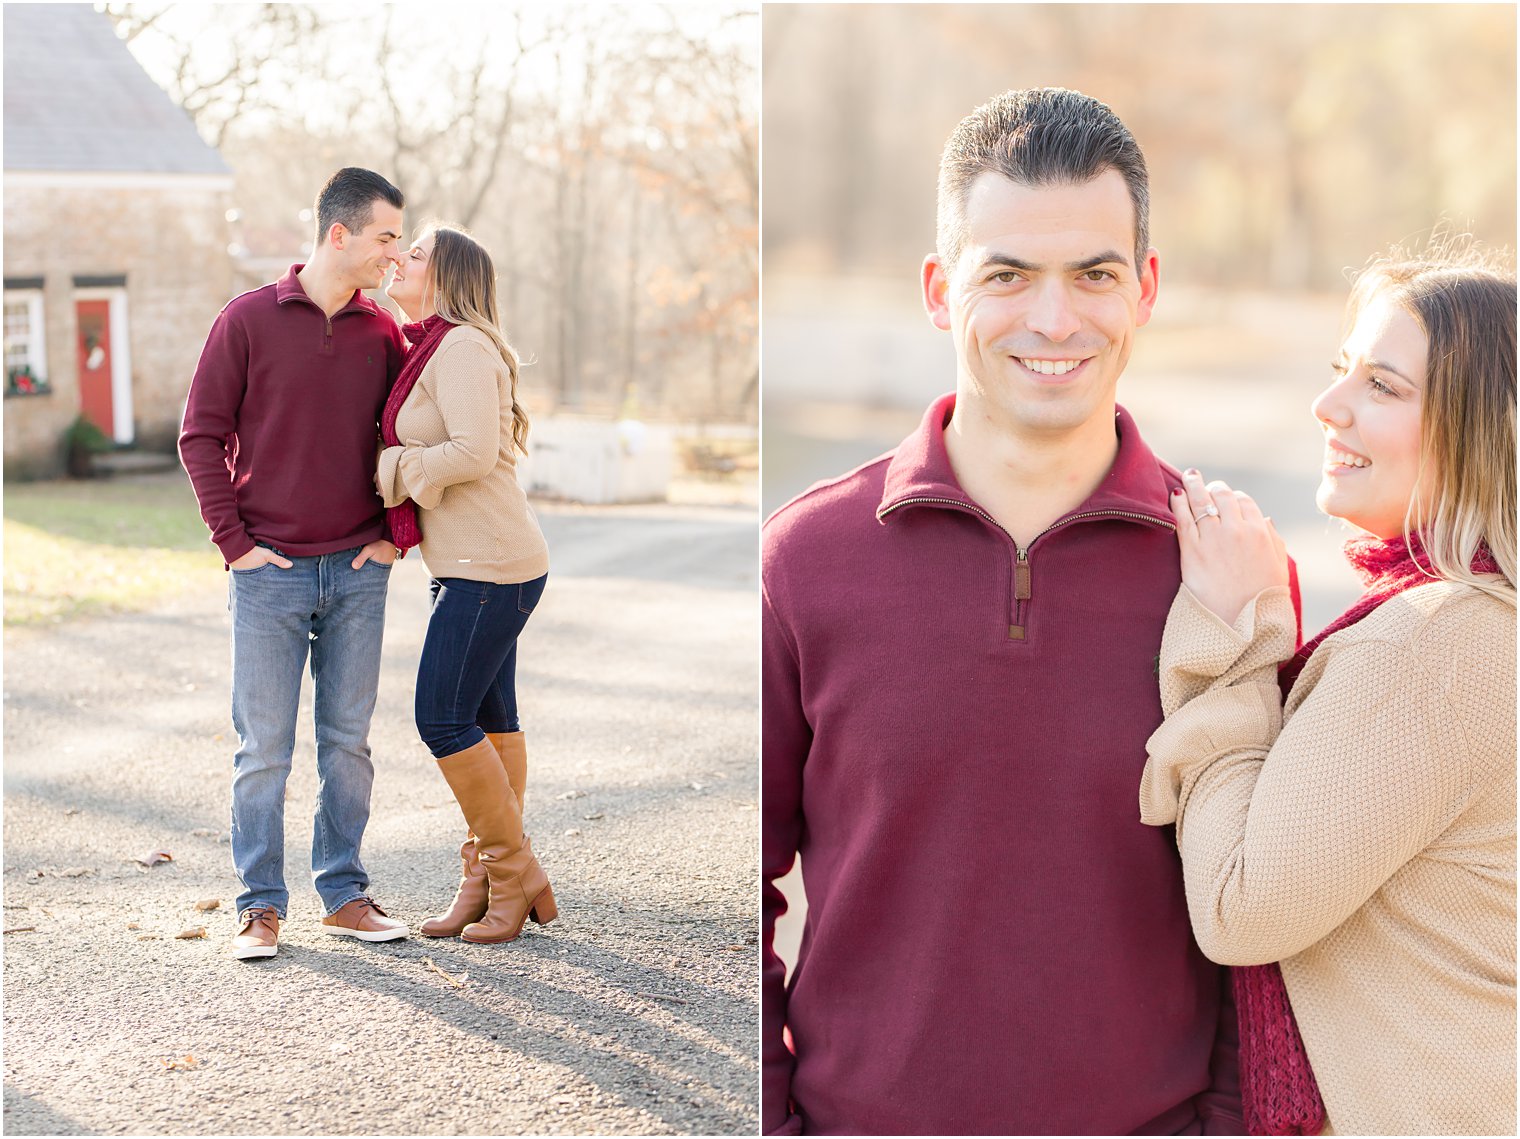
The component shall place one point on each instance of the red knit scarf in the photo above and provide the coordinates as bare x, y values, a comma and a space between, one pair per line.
424, 337
1277, 1085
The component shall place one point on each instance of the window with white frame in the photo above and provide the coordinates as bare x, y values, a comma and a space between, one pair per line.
25, 343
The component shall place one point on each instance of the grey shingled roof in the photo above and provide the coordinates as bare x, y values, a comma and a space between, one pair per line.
77, 99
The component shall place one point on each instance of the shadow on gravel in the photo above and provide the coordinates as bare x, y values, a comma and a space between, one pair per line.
27, 1115
635, 1059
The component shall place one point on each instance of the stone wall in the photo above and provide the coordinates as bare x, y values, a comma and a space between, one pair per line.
170, 243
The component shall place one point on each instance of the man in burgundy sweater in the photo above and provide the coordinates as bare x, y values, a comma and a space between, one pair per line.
279, 441
960, 645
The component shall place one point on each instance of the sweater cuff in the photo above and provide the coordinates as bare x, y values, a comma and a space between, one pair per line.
1200, 651
419, 488
385, 476
235, 546
1237, 720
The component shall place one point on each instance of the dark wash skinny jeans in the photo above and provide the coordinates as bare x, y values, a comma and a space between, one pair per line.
467, 677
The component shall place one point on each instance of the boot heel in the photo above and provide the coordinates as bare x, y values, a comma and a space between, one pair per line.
544, 910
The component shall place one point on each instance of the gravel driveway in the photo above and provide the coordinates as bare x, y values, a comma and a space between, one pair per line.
635, 1013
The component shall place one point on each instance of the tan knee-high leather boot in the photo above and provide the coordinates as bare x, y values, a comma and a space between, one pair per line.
513, 749
470, 899
517, 884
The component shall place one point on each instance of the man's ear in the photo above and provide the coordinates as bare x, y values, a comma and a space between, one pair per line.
1150, 282
337, 234
936, 285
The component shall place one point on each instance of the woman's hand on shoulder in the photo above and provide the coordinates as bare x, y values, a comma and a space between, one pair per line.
1230, 552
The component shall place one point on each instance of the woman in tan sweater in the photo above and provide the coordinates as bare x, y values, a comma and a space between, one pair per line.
1351, 815
452, 429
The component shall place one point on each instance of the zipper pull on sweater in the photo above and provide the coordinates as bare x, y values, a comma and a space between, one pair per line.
1020, 592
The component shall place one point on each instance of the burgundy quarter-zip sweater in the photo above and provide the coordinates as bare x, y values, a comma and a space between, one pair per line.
282, 421
953, 735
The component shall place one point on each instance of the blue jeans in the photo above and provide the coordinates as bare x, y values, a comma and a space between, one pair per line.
467, 677
323, 606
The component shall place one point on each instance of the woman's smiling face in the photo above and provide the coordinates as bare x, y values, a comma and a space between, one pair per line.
1370, 415
410, 285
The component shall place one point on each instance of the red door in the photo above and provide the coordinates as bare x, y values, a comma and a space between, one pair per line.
94, 349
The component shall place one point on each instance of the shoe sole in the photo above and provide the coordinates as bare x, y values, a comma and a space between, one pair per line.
366, 934
255, 951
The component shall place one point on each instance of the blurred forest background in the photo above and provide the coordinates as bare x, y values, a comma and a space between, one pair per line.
1286, 144
607, 155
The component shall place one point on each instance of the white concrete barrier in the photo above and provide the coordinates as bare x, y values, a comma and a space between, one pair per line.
598, 461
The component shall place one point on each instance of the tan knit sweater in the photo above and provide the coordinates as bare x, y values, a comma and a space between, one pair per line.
1363, 835
458, 465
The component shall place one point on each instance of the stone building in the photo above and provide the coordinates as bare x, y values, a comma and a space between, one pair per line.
116, 239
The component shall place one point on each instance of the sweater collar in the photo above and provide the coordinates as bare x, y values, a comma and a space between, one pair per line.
288, 290
1137, 483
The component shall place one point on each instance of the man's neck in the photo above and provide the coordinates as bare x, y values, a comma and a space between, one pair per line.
1026, 480
323, 285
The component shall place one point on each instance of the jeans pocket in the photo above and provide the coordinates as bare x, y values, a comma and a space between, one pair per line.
528, 594
256, 569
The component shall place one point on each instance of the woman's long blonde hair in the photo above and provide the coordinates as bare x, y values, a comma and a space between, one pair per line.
1464, 301
463, 281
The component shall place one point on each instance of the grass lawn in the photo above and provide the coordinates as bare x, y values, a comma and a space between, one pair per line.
102, 546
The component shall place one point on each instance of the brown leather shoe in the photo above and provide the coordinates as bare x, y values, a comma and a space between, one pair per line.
259, 935
517, 883
470, 899
363, 919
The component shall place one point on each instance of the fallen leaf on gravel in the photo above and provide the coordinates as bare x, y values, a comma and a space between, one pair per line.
572, 832
593, 818
663, 997
133, 925
734, 948
73, 872
20, 929
154, 857
206, 904
457, 982
573, 795
181, 1063
147, 937
190, 934
204, 832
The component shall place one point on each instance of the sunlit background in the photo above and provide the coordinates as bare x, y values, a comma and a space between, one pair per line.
1286, 144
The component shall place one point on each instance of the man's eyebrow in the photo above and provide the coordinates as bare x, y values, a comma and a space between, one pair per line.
1108, 256
1009, 262
388, 233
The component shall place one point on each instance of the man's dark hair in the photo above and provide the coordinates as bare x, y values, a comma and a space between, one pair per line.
349, 198
1044, 136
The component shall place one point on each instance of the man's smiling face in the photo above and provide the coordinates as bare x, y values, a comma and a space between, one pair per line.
1043, 301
